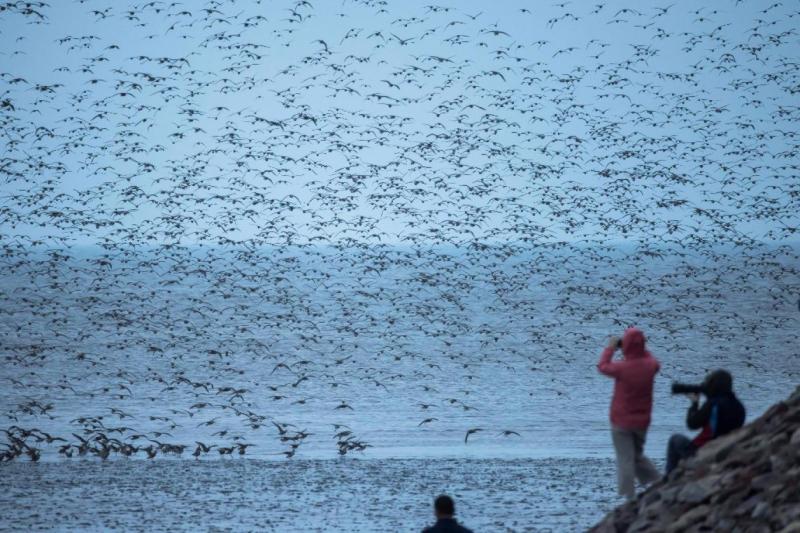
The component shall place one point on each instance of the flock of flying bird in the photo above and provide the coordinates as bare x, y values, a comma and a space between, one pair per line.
222, 220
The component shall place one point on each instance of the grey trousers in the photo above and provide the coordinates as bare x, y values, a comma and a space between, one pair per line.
631, 462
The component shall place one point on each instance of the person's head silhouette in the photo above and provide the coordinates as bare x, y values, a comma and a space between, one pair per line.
444, 507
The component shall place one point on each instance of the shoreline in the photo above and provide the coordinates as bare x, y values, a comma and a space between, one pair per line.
307, 495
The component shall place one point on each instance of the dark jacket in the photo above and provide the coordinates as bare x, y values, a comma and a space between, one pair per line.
721, 413
446, 525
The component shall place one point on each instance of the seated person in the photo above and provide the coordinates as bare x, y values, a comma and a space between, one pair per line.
721, 413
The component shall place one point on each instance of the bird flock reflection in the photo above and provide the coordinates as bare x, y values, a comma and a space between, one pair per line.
262, 226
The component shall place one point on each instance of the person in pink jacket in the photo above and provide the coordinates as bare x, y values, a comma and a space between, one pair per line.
631, 406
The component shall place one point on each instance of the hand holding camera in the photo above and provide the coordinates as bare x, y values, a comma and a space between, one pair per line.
614, 342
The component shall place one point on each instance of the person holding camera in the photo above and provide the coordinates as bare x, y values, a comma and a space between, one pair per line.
721, 413
631, 406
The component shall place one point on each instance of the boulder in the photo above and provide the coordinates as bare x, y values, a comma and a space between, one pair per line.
748, 480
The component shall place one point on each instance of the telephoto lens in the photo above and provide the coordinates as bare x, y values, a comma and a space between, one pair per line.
686, 388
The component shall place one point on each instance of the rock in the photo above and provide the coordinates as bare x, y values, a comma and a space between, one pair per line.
723, 446
696, 514
787, 513
779, 463
670, 494
764, 480
778, 440
649, 498
605, 527
747, 481
761, 511
725, 524
697, 491
795, 437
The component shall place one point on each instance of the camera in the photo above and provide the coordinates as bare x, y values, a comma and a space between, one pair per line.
687, 388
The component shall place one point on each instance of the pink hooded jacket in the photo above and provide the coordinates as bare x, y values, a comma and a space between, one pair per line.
633, 381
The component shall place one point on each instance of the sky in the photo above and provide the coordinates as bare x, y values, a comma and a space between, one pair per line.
399, 121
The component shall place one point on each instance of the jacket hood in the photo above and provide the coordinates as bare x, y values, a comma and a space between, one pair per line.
718, 383
633, 343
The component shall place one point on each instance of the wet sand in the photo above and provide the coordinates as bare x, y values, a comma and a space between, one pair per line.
308, 495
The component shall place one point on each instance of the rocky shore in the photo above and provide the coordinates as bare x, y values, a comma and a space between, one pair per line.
747, 481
